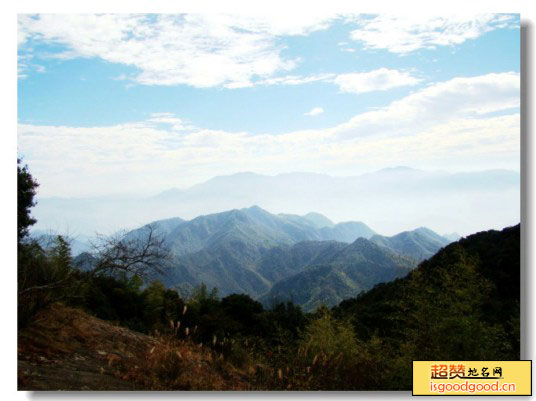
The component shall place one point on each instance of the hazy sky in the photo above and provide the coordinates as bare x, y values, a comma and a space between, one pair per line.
112, 104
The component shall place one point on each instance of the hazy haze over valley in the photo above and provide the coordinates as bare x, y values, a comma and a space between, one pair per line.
389, 201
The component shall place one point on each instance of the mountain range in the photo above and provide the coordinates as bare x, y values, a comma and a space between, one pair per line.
390, 200
307, 259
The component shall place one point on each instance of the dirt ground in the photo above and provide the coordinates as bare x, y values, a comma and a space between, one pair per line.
67, 349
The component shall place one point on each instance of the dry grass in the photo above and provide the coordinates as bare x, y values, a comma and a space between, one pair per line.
67, 349
174, 364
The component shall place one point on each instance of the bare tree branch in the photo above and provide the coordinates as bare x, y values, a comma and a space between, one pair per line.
141, 252
56, 284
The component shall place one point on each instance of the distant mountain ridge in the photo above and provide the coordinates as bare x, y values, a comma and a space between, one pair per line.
390, 200
47, 240
258, 226
418, 244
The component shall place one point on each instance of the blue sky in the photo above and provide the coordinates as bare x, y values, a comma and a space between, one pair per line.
111, 104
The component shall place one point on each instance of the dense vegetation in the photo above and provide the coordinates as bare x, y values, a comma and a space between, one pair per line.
461, 304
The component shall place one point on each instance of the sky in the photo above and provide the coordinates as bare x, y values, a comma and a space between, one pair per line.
113, 104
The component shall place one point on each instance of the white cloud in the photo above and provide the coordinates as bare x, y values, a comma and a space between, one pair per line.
409, 33
231, 51
376, 80
208, 50
177, 124
459, 97
358, 82
314, 111
449, 123
297, 79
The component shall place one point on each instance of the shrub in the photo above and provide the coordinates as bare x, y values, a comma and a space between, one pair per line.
330, 337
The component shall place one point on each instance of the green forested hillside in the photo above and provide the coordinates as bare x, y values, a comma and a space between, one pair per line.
309, 273
339, 275
285, 260
462, 304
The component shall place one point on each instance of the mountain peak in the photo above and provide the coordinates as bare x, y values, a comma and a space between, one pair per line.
319, 220
255, 208
362, 242
425, 230
453, 237
419, 244
428, 232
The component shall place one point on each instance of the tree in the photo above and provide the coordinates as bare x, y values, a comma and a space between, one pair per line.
26, 190
141, 254
154, 303
60, 253
44, 277
201, 295
329, 336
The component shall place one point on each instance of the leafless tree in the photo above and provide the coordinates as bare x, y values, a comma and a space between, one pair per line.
141, 253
